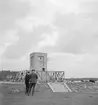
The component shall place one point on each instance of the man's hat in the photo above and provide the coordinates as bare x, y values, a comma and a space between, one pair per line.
27, 72
33, 70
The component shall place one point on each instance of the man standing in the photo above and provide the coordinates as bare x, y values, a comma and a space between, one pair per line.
33, 81
27, 79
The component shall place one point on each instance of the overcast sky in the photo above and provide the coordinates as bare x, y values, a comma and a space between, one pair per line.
66, 29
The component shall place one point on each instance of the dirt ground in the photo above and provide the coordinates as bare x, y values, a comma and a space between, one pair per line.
44, 96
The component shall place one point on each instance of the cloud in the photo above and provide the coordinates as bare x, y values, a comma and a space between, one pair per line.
89, 7
66, 30
41, 13
10, 10
48, 40
16, 65
77, 31
82, 65
30, 28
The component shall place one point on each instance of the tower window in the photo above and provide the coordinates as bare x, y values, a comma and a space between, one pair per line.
43, 69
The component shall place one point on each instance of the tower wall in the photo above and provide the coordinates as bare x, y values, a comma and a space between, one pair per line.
38, 61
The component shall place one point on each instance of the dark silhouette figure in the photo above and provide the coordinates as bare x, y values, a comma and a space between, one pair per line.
27, 79
33, 81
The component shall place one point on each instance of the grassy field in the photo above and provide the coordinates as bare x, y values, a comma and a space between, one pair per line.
44, 96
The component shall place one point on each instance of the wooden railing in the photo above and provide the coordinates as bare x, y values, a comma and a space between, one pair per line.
51, 76
44, 76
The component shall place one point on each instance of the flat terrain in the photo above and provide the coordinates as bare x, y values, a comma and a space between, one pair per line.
44, 96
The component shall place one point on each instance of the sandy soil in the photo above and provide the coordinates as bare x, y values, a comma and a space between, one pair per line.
44, 96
